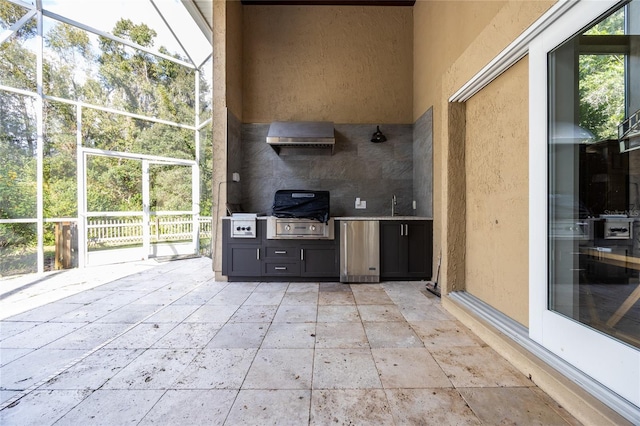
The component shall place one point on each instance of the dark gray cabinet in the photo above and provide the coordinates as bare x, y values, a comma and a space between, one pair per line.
405, 253
300, 259
406, 249
244, 261
281, 259
241, 257
319, 260
256, 258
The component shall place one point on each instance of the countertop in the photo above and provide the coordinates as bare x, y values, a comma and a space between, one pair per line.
382, 218
360, 217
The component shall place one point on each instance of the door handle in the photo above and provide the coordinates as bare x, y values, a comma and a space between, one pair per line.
345, 255
257, 254
301, 254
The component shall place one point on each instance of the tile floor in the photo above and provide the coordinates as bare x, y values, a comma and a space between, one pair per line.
169, 345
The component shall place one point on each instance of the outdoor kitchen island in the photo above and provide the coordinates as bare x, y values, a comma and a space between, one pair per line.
405, 251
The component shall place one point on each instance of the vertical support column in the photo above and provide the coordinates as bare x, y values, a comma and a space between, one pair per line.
195, 173
195, 200
146, 210
81, 178
219, 130
40, 144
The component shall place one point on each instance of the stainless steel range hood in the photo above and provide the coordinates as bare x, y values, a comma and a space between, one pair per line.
302, 137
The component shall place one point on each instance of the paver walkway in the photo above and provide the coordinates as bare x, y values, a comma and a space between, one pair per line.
168, 345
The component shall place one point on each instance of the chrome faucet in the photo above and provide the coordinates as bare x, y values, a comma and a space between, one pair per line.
394, 203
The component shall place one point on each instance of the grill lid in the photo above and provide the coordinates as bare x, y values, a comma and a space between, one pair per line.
302, 204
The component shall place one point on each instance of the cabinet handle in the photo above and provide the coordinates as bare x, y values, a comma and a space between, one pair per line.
281, 252
406, 229
301, 254
401, 230
280, 268
345, 256
257, 254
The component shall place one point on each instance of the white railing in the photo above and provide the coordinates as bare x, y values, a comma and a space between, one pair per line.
116, 231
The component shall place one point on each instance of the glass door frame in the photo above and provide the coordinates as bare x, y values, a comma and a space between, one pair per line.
84, 214
148, 213
609, 361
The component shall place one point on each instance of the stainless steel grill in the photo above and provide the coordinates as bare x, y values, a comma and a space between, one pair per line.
300, 214
292, 228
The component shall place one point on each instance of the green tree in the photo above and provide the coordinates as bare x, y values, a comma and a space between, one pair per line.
68, 53
602, 83
10, 13
109, 74
17, 136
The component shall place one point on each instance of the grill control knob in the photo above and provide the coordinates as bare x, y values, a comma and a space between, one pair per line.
238, 228
287, 228
312, 227
248, 228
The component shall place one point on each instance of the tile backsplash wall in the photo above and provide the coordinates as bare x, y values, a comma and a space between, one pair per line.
234, 158
373, 172
423, 164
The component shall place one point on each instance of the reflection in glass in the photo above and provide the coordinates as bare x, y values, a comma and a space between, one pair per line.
594, 185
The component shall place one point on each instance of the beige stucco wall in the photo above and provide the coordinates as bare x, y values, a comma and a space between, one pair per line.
439, 70
442, 32
344, 64
496, 162
234, 57
439, 39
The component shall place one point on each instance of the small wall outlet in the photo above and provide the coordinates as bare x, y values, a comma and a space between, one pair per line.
360, 204
235, 177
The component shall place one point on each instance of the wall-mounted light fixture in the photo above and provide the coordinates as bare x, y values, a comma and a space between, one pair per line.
378, 136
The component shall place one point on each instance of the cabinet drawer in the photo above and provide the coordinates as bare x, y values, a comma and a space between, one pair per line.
282, 252
281, 269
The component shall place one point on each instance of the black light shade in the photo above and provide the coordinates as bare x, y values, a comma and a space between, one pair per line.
378, 136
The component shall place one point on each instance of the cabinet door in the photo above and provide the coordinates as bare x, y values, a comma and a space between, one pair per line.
393, 256
419, 249
244, 261
406, 249
319, 261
